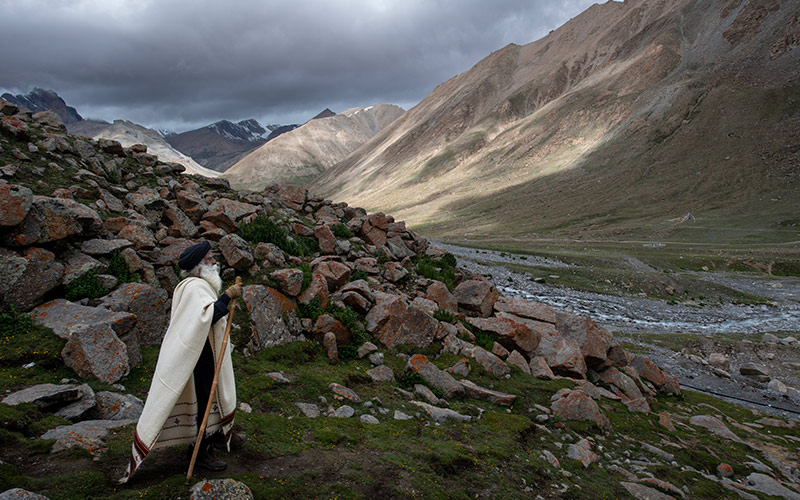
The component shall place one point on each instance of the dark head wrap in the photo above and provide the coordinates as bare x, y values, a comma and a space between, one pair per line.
193, 255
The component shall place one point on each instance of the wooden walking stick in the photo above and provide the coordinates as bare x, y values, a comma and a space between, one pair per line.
213, 386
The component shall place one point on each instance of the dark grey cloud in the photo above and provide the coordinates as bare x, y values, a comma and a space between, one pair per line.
182, 64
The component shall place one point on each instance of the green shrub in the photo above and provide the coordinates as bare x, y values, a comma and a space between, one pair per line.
409, 379
442, 315
312, 310
482, 338
87, 286
307, 274
263, 229
383, 257
118, 268
443, 269
341, 231
359, 274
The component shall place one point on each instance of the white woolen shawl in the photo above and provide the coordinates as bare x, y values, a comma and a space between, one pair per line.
170, 412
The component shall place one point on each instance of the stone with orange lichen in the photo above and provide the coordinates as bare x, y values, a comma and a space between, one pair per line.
27, 277
405, 325
437, 378
577, 405
150, 305
273, 317
15, 202
96, 351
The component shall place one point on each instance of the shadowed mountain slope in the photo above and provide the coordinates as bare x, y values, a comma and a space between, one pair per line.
40, 99
299, 156
630, 114
221, 144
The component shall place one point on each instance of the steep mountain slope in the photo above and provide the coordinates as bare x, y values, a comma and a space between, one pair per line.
129, 133
221, 144
300, 155
40, 99
630, 114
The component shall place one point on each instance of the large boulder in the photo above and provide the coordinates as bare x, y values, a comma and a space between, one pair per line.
662, 379
625, 387
26, 278
317, 290
236, 252
336, 274
139, 235
476, 296
96, 351
402, 324
290, 280
150, 305
525, 309
437, 378
52, 219
577, 405
563, 356
510, 333
66, 318
15, 202
326, 323
594, 340
490, 362
438, 292
182, 225
293, 197
273, 316
226, 214
326, 239
192, 203
46, 397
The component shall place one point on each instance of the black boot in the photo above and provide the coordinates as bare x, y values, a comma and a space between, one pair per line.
207, 458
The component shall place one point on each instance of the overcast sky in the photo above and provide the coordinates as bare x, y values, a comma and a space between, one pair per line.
184, 64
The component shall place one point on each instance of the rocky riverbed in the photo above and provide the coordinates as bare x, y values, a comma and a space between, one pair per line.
711, 329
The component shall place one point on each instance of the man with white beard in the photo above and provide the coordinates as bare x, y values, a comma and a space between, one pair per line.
182, 381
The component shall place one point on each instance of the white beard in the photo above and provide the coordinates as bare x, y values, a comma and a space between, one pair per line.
211, 275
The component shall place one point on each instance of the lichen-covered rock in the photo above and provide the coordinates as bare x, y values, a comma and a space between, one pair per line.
290, 280
236, 252
490, 362
150, 305
477, 296
394, 272
594, 341
326, 239
21, 494
626, 388
475, 391
512, 334
317, 290
381, 373
26, 278
98, 246
115, 406
563, 355
96, 351
46, 397
525, 309
344, 392
577, 405
662, 379
66, 318
582, 452
518, 360
329, 342
442, 380
226, 214
52, 219
440, 415
15, 202
336, 274
540, 369
326, 323
220, 489
407, 325
87, 435
273, 317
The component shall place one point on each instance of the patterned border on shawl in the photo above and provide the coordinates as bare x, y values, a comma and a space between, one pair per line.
139, 451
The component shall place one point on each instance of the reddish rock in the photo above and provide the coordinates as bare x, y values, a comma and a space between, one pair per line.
539, 369
192, 204
426, 305
318, 289
394, 272
386, 305
577, 405
381, 373
115, 224
461, 368
236, 252
367, 264
326, 239
97, 246
375, 237
26, 278
518, 360
273, 317
344, 392
356, 301
329, 342
335, 273
361, 287
563, 355
665, 420
14, 127
724, 470
225, 213
662, 379
182, 225
302, 230
150, 305
328, 324
96, 351
475, 391
15, 202
293, 197
594, 340
270, 252
476, 296
406, 325
438, 292
490, 362
290, 280
525, 309
582, 452
52, 219
513, 334
141, 237
626, 388
77, 264
437, 378
499, 351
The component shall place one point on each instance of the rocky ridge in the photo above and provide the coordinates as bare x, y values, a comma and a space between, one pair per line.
115, 220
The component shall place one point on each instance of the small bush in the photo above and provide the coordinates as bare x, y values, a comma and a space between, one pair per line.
87, 286
312, 310
482, 338
340, 231
118, 268
441, 270
263, 229
409, 379
442, 315
307, 274
359, 274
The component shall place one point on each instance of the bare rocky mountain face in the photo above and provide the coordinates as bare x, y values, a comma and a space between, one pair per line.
220, 145
40, 99
631, 113
128, 133
299, 156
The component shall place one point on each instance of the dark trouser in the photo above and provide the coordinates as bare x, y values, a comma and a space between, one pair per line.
203, 378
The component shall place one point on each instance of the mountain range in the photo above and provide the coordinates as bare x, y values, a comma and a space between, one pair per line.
222, 144
301, 155
626, 116
40, 99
